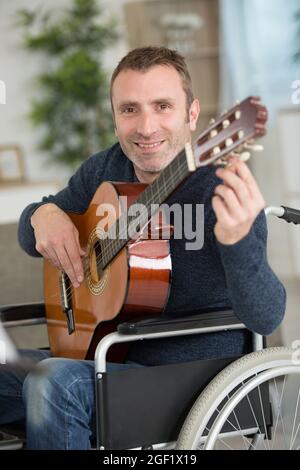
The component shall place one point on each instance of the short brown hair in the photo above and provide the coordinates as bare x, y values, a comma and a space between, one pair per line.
142, 58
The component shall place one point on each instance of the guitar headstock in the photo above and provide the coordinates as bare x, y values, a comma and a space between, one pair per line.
233, 132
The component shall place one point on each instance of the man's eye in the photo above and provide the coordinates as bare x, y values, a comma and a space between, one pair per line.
164, 106
128, 110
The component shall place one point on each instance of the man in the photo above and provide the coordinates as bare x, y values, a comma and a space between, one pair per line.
154, 113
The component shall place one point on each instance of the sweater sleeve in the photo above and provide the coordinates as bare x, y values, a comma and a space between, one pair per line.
258, 297
75, 197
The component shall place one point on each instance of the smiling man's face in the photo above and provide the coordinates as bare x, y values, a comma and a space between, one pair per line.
151, 119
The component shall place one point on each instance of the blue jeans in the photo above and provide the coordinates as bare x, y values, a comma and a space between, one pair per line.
58, 403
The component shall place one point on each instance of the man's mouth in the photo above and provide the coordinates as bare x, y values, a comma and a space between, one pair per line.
149, 145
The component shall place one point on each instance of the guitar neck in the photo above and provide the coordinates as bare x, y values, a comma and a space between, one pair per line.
147, 204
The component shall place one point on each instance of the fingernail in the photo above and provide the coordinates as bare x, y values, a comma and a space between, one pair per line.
75, 284
80, 278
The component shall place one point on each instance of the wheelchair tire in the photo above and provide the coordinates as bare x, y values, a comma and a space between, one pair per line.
229, 387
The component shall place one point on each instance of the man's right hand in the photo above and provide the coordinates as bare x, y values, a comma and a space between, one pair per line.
57, 240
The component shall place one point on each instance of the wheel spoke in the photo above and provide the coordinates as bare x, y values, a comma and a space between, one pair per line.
279, 414
294, 422
234, 410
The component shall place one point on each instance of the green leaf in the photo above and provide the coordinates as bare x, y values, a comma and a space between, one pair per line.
73, 108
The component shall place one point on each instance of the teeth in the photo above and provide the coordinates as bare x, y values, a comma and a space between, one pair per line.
149, 146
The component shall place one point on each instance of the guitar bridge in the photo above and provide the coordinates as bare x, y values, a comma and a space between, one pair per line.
66, 301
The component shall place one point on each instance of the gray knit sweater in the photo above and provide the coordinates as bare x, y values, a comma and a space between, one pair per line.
236, 276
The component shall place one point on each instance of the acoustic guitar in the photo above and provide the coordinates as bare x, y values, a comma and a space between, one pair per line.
128, 273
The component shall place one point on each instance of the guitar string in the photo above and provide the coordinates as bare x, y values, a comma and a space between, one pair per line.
86, 259
109, 249
110, 246
98, 257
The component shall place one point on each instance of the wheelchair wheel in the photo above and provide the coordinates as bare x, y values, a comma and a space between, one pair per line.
252, 404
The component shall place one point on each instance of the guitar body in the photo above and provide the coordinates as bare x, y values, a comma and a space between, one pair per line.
136, 282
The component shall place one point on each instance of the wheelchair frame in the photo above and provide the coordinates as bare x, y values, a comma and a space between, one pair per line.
206, 322
267, 361
108, 385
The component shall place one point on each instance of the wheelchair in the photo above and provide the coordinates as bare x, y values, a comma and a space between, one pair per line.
250, 402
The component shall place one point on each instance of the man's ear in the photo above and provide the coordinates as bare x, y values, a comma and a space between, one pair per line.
194, 114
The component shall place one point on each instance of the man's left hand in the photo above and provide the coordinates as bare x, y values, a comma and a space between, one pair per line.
237, 202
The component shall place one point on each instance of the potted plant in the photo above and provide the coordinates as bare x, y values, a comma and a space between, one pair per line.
72, 105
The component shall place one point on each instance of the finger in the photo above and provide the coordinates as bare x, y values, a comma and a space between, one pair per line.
48, 254
73, 252
81, 251
51, 256
243, 171
66, 265
234, 182
230, 200
221, 211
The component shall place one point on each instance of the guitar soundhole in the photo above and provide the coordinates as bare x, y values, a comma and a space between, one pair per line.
96, 277
95, 262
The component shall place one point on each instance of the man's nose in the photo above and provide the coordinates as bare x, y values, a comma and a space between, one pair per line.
147, 124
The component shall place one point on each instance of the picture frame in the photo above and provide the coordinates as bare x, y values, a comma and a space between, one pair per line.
11, 164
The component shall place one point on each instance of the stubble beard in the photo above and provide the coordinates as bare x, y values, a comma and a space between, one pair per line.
167, 157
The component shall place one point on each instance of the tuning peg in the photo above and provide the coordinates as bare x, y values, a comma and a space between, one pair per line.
220, 162
213, 133
216, 150
226, 123
212, 121
254, 147
228, 142
241, 134
224, 112
244, 157
238, 115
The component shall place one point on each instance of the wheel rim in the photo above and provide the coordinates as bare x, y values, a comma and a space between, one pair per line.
212, 399
286, 425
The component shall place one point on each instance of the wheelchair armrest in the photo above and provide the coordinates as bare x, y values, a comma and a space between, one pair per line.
23, 314
207, 319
